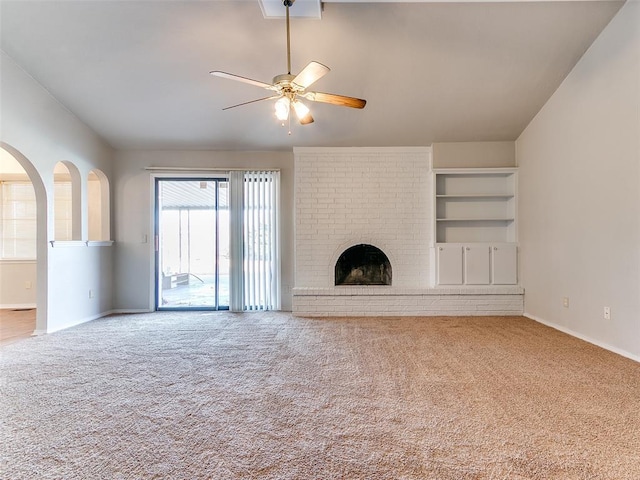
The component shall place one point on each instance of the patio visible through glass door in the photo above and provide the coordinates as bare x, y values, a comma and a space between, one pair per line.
192, 249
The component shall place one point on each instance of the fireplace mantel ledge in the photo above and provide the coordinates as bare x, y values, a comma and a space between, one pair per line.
400, 291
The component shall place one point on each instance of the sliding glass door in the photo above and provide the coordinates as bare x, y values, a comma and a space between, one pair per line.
217, 245
192, 243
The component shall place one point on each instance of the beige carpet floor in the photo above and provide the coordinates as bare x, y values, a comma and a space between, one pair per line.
271, 396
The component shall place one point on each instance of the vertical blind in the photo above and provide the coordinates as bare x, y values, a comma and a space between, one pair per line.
255, 262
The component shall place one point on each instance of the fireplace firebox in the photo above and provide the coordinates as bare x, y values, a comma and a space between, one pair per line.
363, 265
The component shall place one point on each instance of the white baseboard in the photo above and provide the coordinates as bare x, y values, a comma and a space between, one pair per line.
598, 343
17, 306
130, 310
75, 323
85, 320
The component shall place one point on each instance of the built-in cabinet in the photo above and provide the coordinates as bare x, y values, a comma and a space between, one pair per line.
449, 265
475, 226
477, 264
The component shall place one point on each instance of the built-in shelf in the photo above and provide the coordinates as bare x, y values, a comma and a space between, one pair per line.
475, 205
475, 226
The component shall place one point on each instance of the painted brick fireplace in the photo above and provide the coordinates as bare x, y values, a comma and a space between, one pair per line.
380, 197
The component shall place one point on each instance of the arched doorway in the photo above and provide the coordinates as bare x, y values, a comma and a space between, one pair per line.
41, 251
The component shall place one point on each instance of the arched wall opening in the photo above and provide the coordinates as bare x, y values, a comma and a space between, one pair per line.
67, 207
98, 201
41, 251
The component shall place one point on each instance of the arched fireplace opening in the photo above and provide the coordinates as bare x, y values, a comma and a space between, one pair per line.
363, 265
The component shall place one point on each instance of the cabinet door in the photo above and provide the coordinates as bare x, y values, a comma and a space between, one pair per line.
449, 264
504, 260
476, 265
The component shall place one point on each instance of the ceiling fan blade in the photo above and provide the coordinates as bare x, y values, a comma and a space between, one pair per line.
252, 101
313, 72
238, 78
334, 99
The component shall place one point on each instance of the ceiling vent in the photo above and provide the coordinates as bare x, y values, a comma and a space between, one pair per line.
304, 9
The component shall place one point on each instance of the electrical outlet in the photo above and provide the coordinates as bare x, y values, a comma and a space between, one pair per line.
90, 293
565, 302
27, 285
607, 313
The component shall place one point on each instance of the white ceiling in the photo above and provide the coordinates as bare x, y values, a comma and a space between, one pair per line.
137, 71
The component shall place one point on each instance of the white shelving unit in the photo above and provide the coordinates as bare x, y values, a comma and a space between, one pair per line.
475, 205
475, 225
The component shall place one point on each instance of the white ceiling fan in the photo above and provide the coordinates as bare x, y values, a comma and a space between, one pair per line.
289, 89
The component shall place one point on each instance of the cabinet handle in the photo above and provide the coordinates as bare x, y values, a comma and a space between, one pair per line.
495, 248
440, 249
468, 248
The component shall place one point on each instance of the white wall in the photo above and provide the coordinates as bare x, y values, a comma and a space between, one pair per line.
77, 270
133, 214
474, 154
18, 283
579, 197
39, 130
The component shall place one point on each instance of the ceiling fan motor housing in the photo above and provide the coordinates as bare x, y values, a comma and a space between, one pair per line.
284, 79
284, 85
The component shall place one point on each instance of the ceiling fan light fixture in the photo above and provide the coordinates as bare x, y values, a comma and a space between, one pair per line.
289, 88
302, 112
282, 108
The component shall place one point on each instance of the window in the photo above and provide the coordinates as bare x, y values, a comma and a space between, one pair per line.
17, 210
18, 225
192, 228
98, 206
62, 203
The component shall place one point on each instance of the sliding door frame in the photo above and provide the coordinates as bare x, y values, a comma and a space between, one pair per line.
222, 176
205, 173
